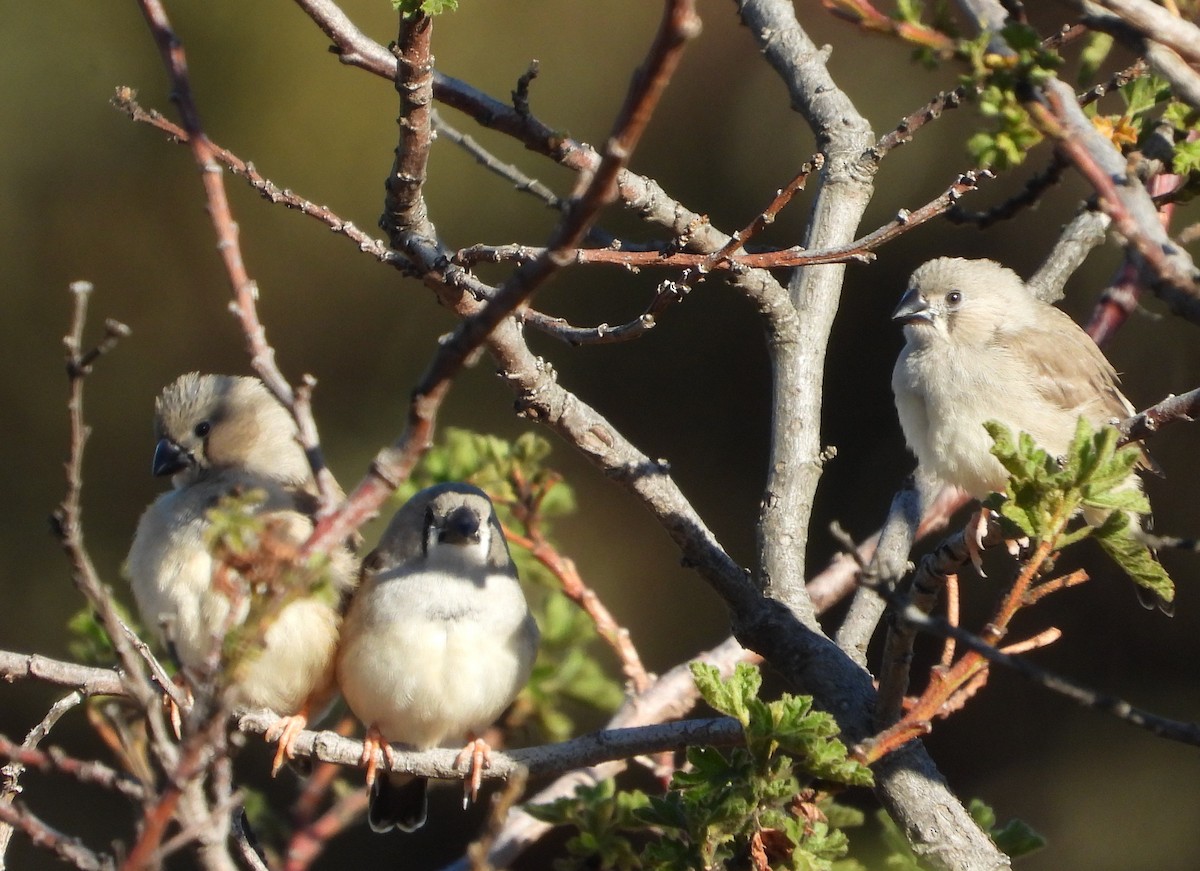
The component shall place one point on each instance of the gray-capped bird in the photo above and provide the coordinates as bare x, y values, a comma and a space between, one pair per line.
437, 642
980, 346
220, 435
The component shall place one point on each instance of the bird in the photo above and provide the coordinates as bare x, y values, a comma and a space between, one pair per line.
980, 346
219, 436
437, 642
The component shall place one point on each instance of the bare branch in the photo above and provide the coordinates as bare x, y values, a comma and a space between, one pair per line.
1078, 238
1158, 24
89, 680
55, 761
547, 759
1146, 423
69, 849
1122, 197
394, 463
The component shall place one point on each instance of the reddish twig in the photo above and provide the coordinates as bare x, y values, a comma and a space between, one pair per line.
309, 841
859, 250
585, 597
767, 217
1145, 423
245, 290
393, 464
1116, 303
124, 99
866, 16
1122, 197
1121, 298
56, 761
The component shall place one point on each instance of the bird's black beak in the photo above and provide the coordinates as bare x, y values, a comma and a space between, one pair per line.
169, 458
460, 527
912, 308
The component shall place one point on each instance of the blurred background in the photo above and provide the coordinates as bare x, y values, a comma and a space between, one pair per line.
90, 195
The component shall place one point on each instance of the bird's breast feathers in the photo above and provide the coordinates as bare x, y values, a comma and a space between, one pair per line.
426, 657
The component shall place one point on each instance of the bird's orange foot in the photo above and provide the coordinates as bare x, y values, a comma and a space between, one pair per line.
285, 731
373, 745
475, 757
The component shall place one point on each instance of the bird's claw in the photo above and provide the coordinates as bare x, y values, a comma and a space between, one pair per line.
174, 714
1017, 546
977, 528
373, 744
286, 730
475, 756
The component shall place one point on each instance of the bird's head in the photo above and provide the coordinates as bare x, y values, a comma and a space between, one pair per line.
964, 301
452, 525
210, 423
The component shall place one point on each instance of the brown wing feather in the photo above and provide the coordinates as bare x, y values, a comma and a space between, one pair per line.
1070, 371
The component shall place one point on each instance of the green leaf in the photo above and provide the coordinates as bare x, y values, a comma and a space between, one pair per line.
729, 697
1129, 499
1143, 94
89, 643
1116, 537
1015, 838
424, 7
1187, 158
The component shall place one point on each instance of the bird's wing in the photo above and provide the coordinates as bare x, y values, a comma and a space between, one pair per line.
1069, 371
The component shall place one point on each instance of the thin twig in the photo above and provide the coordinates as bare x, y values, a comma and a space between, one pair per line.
245, 289
69, 849
563, 568
1122, 196
493, 164
393, 464
503, 802
56, 761
10, 774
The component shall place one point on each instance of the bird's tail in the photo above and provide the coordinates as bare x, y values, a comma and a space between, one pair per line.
397, 802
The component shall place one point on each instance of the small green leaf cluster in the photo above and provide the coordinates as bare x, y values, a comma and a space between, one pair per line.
1016, 837
568, 681
88, 642
567, 678
258, 559
1095, 477
996, 79
1150, 110
942, 24
494, 465
424, 7
724, 807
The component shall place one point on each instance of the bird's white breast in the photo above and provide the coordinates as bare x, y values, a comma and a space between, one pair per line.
429, 656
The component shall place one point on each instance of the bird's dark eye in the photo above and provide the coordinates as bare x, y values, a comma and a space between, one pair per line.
202, 429
954, 297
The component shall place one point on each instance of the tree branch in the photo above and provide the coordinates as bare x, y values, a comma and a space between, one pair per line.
573, 753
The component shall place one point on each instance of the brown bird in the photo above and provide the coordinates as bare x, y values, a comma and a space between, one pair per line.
438, 641
217, 436
980, 346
